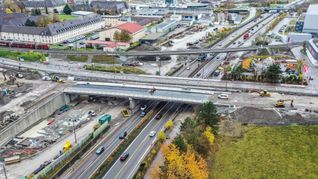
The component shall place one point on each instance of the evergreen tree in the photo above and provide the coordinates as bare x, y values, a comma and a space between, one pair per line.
67, 9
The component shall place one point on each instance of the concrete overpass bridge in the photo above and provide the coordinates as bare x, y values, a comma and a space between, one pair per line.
159, 53
132, 92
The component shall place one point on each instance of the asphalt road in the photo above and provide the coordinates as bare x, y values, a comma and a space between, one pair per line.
140, 146
139, 93
90, 162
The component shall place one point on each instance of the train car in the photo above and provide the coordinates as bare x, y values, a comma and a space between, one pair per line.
24, 45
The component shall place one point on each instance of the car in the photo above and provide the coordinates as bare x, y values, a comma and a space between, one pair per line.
143, 107
188, 68
92, 113
100, 150
223, 96
216, 73
152, 133
158, 116
124, 156
123, 135
199, 74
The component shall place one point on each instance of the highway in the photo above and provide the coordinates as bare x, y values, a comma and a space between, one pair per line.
155, 53
90, 162
140, 146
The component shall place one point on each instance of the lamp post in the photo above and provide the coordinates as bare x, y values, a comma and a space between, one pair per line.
73, 120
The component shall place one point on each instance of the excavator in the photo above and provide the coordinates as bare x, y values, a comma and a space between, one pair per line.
264, 93
281, 103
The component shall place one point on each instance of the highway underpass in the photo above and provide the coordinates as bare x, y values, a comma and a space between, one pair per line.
134, 92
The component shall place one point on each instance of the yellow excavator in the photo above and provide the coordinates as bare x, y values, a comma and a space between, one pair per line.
281, 103
264, 93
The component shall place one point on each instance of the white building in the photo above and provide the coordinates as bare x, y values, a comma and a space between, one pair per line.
311, 20
53, 33
51, 6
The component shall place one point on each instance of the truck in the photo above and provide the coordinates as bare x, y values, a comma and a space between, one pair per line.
105, 118
246, 36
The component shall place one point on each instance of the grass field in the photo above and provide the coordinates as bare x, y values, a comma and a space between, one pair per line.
269, 152
64, 17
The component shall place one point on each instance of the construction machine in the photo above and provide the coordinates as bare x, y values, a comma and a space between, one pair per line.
264, 93
281, 103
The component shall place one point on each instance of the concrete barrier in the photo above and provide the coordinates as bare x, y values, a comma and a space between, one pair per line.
43, 110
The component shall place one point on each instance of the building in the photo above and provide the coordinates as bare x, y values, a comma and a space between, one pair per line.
112, 20
312, 51
311, 20
45, 6
299, 25
135, 30
191, 17
166, 27
234, 18
103, 7
83, 13
53, 33
108, 46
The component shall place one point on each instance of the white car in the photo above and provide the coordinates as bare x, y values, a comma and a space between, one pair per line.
188, 68
152, 133
223, 96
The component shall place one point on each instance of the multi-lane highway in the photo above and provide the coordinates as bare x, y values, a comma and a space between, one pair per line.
140, 146
90, 162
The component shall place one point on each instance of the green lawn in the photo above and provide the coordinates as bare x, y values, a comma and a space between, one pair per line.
64, 17
270, 152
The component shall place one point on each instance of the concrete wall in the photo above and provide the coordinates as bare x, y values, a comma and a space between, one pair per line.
43, 110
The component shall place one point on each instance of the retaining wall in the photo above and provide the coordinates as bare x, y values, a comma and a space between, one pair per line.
42, 110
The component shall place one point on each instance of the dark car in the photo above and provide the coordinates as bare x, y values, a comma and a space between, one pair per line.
100, 150
123, 135
158, 116
124, 156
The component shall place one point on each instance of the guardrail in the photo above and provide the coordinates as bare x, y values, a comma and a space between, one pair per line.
54, 169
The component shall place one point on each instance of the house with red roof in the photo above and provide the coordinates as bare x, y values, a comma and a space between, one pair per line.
135, 30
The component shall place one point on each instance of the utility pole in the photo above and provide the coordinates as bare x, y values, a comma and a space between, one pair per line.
4, 170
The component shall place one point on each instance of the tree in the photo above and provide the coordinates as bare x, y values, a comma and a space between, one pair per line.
273, 73
196, 166
237, 71
209, 135
117, 36
188, 124
43, 21
55, 18
180, 144
30, 23
169, 124
208, 116
125, 36
67, 10
8, 11
161, 136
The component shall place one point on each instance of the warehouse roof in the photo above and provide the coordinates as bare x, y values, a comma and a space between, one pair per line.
130, 27
313, 9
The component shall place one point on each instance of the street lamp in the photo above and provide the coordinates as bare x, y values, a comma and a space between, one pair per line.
73, 120
4, 170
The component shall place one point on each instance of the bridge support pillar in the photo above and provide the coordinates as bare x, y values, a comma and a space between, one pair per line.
132, 103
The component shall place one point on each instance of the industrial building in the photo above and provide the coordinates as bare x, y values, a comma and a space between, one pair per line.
312, 51
311, 20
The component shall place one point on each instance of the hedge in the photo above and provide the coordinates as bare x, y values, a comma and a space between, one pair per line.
104, 59
115, 69
26, 56
78, 58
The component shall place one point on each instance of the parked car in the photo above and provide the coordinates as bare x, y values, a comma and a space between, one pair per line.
123, 135
124, 156
223, 96
100, 150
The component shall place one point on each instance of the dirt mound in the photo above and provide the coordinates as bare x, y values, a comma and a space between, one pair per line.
255, 115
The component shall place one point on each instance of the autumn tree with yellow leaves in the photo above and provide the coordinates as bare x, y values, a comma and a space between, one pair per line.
183, 165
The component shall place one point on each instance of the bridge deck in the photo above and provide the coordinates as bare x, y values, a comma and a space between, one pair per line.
139, 93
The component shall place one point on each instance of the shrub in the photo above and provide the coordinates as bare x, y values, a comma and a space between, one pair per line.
104, 59
78, 58
115, 69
